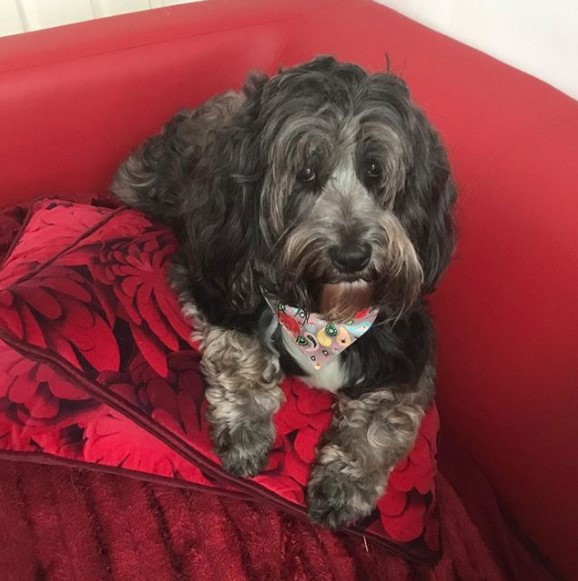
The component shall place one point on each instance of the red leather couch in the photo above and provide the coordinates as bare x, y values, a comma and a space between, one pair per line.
75, 100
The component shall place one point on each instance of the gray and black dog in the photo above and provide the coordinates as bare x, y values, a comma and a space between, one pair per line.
326, 187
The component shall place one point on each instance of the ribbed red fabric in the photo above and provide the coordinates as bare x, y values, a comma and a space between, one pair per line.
60, 524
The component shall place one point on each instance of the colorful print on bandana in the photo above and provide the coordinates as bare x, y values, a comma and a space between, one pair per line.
319, 339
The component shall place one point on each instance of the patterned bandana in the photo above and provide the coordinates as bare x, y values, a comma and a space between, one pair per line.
319, 339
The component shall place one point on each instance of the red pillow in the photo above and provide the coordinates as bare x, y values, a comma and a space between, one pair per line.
97, 368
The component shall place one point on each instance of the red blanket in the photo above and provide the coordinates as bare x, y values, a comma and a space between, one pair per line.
61, 525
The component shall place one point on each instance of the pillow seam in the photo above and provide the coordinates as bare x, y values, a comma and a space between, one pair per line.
66, 249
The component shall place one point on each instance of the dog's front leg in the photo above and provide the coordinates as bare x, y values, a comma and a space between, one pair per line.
243, 393
367, 438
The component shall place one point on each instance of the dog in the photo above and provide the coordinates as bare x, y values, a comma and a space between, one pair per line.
322, 190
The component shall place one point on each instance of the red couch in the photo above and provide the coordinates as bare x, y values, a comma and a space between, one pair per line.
75, 100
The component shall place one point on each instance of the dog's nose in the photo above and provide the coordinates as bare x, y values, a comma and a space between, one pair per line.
351, 258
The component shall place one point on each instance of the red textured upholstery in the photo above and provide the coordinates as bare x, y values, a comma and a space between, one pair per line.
75, 100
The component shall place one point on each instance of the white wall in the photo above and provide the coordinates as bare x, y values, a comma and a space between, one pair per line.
536, 36
22, 15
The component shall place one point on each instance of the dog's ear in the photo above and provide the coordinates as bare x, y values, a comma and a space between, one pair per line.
437, 237
223, 212
425, 204
429, 198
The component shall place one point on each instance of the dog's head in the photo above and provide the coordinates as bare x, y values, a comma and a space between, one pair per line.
337, 191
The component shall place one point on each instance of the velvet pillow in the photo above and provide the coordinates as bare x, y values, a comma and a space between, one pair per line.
97, 369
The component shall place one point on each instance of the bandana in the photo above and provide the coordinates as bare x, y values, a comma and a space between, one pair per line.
318, 339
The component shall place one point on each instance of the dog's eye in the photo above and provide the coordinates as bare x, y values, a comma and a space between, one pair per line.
306, 175
373, 170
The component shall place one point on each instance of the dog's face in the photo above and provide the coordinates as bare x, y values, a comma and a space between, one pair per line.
352, 194
337, 156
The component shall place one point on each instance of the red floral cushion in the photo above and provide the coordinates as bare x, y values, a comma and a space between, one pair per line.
97, 367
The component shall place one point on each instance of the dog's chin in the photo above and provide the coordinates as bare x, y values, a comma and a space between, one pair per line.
340, 301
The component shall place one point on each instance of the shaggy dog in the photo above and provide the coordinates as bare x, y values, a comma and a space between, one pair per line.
325, 188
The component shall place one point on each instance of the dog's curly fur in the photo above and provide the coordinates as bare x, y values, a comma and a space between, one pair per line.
327, 187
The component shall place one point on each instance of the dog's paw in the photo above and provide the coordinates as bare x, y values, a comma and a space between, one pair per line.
244, 451
338, 497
